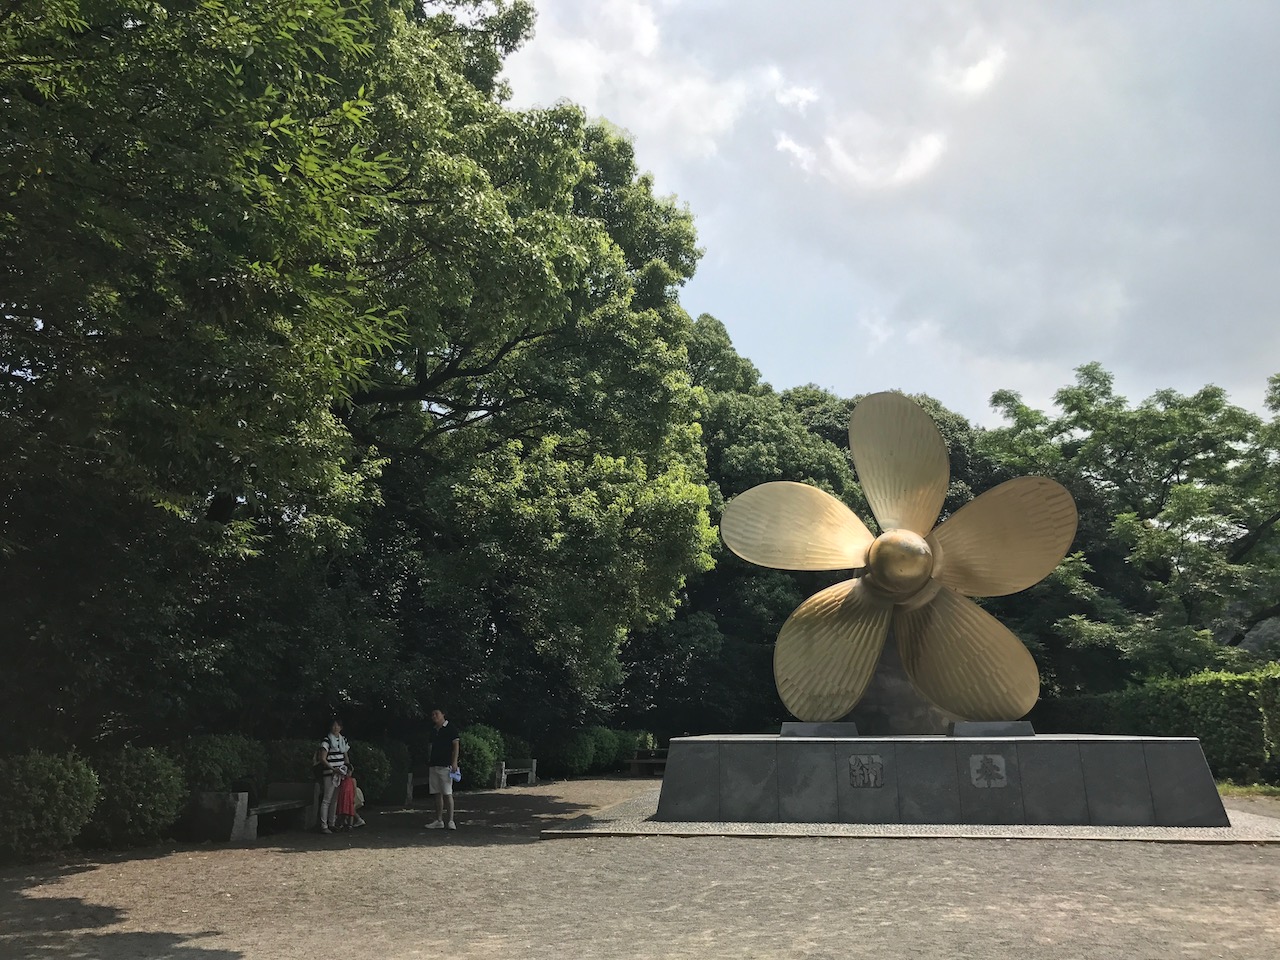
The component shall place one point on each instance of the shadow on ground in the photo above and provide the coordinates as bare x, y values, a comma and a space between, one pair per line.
33, 928
483, 818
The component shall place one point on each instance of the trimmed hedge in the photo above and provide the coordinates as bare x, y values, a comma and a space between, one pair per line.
476, 758
490, 736
514, 747
47, 799
213, 761
401, 766
1236, 716
1268, 694
604, 750
372, 768
571, 757
141, 793
627, 741
289, 761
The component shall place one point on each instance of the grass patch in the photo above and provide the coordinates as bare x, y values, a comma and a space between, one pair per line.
1229, 789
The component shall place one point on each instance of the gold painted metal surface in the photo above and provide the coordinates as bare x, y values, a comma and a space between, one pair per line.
901, 461
793, 526
957, 655
966, 661
828, 649
899, 564
1006, 540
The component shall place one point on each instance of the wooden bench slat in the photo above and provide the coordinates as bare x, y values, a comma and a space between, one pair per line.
276, 806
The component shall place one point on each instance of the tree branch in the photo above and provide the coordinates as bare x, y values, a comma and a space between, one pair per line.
1240, 549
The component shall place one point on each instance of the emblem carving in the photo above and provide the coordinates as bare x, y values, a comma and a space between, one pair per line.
987, 770
866, 770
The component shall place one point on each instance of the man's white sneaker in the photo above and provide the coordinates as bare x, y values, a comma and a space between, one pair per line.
324, 829
452, 825
436, 825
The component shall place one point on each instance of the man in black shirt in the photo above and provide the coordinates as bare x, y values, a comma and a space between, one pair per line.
444, 763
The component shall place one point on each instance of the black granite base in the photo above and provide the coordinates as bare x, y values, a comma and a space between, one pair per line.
1047, 779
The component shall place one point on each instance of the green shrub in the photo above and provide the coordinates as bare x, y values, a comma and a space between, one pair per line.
401, 766
213, 761
516, 748
47, 799
476, 758
646, 740
1269, 704
490, 736
141, 793
570, 757
604, 748
1235, 716
1228, 720
627, 741
372, 768
290, 761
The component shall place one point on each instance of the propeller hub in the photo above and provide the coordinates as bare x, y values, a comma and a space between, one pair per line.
899, 563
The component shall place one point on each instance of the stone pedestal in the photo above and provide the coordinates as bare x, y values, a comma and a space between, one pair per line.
1048, 779
891, 707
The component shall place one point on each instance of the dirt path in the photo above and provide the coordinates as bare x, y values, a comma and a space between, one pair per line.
492, 889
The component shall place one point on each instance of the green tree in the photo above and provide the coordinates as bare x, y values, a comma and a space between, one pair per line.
1177, 538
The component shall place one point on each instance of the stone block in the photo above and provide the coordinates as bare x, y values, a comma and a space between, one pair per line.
1052, 781
866, 773
749, 780
990, 782
691, 786
794, 728
989, 729
928, 786
807, 791
1115, 782
1182, 789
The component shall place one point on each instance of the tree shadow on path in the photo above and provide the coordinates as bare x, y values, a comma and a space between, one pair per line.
498, 817
35, 928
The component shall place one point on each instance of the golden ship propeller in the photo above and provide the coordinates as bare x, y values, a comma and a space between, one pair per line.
914, 576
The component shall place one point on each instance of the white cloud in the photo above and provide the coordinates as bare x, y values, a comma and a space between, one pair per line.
865, 154
1004, 190
803, 157
975, 79
797, 97
789, 94
967, 76
612, 61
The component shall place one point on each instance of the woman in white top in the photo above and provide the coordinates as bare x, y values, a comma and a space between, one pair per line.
331, 762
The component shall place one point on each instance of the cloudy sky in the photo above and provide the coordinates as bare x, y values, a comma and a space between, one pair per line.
956, 197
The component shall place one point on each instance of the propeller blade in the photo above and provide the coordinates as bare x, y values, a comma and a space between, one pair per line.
1006, 540
901, 461
966, 661
793, 526
828, 649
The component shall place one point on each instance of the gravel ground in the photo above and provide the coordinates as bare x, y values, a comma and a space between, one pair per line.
635, 818
493, 889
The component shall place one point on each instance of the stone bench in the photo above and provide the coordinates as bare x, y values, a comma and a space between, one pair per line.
648, 762
214, 815
504, 769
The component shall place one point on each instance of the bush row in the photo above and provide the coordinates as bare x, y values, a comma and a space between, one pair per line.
135, 795
1235, 715
596, 749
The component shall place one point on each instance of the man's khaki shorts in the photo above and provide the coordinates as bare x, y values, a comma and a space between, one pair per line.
439, 781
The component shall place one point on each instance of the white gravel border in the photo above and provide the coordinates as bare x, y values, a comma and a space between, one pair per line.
634, 818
